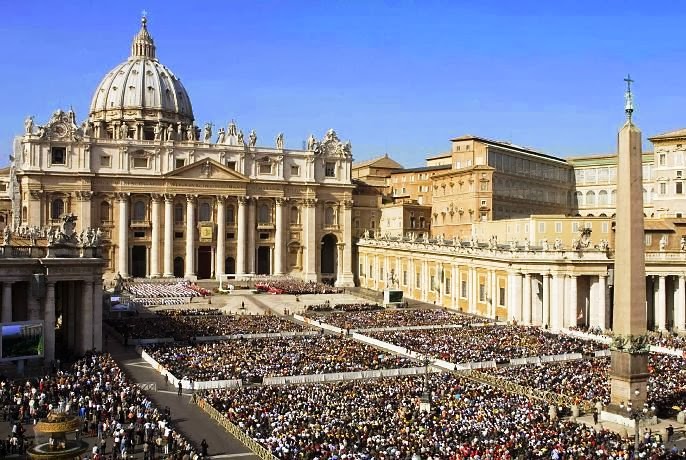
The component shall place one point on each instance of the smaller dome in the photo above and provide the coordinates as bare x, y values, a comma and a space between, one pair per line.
141, 88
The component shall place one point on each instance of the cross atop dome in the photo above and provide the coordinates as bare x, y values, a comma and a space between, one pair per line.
143, 44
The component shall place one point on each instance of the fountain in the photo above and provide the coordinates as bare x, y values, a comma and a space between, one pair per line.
62, 443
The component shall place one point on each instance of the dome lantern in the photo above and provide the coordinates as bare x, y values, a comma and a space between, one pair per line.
143, 44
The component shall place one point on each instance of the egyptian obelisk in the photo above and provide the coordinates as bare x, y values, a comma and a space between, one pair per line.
629, 365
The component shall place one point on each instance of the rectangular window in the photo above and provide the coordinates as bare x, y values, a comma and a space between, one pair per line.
558, 227
139, 234
140, 162
483, 203
482, 292
264, 236
179, 163
649, 239
663, 188
663, 159
231, 165
679, 188
230, 236
678, 174
605, 227
575, 227
295, 170
105, 161
58, 155
265, 168
484, 186
463, 289
404, 277
178, 235
330, 169
417, 280
541, 227
447, 286
501, 296
381, 273
432, 282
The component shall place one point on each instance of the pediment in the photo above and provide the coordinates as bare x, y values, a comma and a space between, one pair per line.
206, 169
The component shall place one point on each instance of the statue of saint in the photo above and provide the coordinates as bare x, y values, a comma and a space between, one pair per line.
232, 129
311, 143
158, 132
663, 243
171, 134
123, 131
190, 133
207, 130
179, 132
279, 141
682, 244
241, 141
86, 128
252, 138
28, 125
221, 135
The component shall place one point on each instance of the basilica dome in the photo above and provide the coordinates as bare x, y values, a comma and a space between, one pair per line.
141, 91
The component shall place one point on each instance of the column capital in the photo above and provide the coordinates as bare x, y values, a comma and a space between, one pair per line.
309, 202
190, 198
36, 194
122, 196
156, 197
282, 200
84, 195
348, 204
169, 197
221, 198
243, 200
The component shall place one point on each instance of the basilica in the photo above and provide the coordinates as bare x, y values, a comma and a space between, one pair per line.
172, 199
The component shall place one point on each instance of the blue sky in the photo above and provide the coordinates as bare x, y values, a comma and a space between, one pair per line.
401, 77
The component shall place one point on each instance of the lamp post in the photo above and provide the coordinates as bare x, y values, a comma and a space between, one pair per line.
638, 415
425, 402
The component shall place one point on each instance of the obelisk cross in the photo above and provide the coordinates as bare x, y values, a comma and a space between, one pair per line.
629, 106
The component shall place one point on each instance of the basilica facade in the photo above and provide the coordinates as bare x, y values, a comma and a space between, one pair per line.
175, 200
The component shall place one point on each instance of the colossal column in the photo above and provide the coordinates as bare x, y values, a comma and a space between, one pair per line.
241, 240
221, 237
190, 237
252, 228
6, 302
279, 236
311, 246
49, 328
168, 235
346, 278
86, 317
84, 210
155, 243
571, 316
123, 241
629, 363
97, 314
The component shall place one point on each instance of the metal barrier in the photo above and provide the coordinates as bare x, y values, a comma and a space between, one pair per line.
148, 386
249, 442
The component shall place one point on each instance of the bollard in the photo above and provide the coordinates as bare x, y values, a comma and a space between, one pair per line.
575, 411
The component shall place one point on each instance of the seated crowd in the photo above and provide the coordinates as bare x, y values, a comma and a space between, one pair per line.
326, 306
253, 359
182, 328
394, 318
486, 343
283, 285
164, 293
589, 380
380, 419
110, 406
661, 339
190, 312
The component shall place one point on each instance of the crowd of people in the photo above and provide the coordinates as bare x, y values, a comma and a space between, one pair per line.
284, 285
588, 379
190, 312
381, 419
172, 293
111, 407
183, 328
253, 359
361, 306
367, 319
486, 343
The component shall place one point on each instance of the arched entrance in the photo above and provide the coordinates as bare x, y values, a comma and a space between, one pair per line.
178, 267
230, 265
138, 261
329, 258
263, 260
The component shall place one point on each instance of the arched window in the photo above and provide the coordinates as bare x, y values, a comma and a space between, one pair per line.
330, 218
205, 212
263, 214
24, 214
230, 216
139, 210
178, 213
590, 198
56, 208
104, 212
645, 196
295, 215
602, 197
613, 197
579, 199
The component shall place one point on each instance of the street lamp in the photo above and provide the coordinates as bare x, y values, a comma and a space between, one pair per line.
425, 402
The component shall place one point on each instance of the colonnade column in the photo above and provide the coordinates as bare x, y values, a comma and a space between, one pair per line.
339, 261
514, 306
241, 240
661, 304
311, 246
494, 294
221, 237
680, 304
598, 306
7, 302
155, 244
97, 314
190, 236
557, 310
86, 317
123, 240
454, 286
473, 290
168, 235
49, 318
346, 279
526, 313
571, 316
279, 236
545, 319
252, 227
